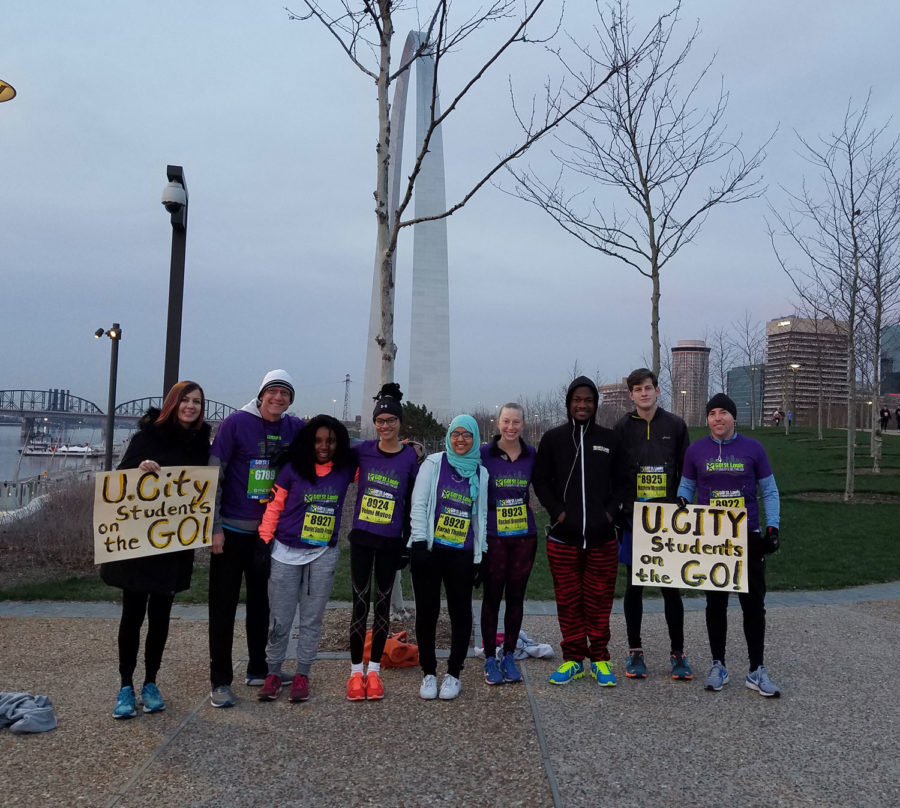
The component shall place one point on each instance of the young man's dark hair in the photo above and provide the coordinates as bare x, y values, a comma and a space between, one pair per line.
638, 375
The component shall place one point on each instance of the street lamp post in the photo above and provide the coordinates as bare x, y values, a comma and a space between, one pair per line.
175, 200
115, 334
795, 367
683, 398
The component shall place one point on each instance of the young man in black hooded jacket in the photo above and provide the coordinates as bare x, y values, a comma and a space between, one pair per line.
575, 478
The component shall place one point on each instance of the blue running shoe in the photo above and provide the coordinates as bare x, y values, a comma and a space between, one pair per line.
566, 672
601, 671
511, 672
634, 665
125, 707
759, 681
492, 672
680, 668
152, 699
717, 677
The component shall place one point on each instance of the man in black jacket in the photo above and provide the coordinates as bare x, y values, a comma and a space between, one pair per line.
574, 477
653, 445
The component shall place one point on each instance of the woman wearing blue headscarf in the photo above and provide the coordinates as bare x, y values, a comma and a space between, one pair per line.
449, 521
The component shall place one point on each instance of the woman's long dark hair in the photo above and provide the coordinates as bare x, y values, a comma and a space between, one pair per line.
301, 453
169, 414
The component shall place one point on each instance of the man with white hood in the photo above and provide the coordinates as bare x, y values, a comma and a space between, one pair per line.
244, 447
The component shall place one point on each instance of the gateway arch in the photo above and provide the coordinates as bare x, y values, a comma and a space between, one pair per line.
429, 348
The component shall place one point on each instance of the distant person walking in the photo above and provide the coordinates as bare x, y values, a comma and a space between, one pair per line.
244, 448
175, 436
727, 465
511, 541
885, 417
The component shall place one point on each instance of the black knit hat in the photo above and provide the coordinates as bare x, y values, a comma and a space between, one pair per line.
722, 402
387, 402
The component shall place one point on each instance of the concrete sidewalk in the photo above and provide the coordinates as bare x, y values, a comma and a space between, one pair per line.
832, 739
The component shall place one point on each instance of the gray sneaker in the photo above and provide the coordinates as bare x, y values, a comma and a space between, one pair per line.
759, 681
222, 696
717, 676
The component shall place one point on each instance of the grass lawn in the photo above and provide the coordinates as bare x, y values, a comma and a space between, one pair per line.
826, 543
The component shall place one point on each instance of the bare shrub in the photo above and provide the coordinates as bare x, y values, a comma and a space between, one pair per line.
58, 534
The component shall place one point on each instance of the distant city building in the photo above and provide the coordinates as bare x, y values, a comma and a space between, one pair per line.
690, 380
614, 402
890, 360
806, 358
745, 388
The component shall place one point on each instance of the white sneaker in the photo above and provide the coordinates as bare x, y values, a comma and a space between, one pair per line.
450, 687
428, 690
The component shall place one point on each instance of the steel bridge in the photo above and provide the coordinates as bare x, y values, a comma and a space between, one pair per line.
61, 405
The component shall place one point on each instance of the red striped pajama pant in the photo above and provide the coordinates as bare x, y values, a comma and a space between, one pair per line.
584, 582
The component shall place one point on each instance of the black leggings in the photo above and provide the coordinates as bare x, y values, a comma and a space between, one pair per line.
507, 567
135, 605
753, 606
633, 605
455, 568
363, 560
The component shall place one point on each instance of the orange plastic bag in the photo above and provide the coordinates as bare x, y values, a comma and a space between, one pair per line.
398, 651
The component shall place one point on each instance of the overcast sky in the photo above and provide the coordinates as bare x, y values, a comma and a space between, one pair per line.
276, 133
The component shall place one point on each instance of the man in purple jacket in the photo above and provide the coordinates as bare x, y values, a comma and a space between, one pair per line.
243, 448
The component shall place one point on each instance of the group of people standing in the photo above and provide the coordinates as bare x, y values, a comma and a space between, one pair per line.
884, 417
461, 518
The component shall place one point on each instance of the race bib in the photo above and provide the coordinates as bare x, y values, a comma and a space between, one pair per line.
512, 517
260, 480
651, 483
452, 527
727, 499
318, 525
377, 507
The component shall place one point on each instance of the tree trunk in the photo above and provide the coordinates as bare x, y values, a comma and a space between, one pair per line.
386, 239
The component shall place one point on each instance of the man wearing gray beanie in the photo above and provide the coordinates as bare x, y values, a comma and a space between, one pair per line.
244, 446
727, 466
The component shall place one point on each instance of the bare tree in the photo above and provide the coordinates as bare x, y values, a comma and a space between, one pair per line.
721, 356
645, 136
827, 226
748, 343
364, 30
880, 279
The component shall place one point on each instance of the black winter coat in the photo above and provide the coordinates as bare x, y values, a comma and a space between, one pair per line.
168, 445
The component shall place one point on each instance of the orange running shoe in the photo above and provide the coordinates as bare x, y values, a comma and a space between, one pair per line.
374, 686
356, 687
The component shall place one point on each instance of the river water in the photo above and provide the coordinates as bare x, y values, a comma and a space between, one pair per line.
13, 467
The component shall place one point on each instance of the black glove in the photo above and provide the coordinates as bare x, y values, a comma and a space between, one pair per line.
682, 502
419, 553
477, 574
770, 542
403, 559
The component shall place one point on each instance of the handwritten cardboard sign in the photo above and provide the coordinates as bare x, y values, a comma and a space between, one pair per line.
697, 547
141, 513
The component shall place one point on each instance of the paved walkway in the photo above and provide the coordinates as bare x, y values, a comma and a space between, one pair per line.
832, 739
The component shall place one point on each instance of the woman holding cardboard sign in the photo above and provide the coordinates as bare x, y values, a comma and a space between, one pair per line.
449, 527
303, 518
177, 436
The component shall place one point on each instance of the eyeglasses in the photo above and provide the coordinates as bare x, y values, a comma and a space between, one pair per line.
386, 421
461, 435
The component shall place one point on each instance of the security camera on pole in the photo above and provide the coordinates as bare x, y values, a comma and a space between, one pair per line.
175, 200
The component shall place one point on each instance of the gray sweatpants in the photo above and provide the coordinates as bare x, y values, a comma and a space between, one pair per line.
310, 585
